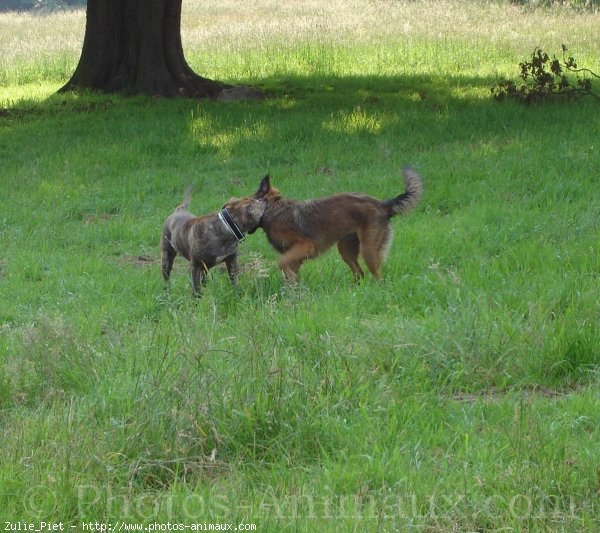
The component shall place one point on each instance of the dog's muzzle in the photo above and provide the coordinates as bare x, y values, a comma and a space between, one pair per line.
251, 231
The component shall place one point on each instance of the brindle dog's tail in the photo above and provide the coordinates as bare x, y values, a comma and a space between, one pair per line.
187, 198
410, 197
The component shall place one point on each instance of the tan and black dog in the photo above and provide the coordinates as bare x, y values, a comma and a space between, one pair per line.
359, 224
208, 240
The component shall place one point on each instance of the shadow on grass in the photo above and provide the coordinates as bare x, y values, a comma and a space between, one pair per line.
455, 108
313, 96
308, 125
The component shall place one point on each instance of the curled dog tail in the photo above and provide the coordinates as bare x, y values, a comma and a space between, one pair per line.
410, 197
187, 198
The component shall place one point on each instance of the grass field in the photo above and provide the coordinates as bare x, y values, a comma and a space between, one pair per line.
459, 394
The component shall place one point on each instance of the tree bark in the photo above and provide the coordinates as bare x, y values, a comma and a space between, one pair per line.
134, 46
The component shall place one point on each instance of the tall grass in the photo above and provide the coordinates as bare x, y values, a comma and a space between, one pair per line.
232, 41
460, 393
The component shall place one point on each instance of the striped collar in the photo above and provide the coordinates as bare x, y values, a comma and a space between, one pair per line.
230, 224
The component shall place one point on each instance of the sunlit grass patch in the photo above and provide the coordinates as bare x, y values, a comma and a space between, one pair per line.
212, 136
356, 121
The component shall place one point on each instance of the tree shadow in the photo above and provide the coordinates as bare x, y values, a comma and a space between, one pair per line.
334, 127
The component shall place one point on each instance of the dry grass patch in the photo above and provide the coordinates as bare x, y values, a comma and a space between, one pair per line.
240, 27
138, 261
53, 41
27, 35
251, 24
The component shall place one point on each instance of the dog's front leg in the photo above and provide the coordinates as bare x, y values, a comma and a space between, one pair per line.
199, 271
291, 261
232, 268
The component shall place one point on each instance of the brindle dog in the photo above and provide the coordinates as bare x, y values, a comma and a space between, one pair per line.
359, 224
208, 240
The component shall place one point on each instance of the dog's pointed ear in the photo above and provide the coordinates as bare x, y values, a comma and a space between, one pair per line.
264, 188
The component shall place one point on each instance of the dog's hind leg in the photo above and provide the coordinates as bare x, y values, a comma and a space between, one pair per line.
167, 256
199, 272
349, 248
232, 268
372, 259
374, 242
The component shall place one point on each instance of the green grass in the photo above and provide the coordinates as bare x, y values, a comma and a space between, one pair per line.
459, 394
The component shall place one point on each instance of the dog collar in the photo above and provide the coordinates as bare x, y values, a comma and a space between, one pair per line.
230, 224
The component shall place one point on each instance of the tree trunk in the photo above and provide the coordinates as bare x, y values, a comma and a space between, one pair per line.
135, 46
